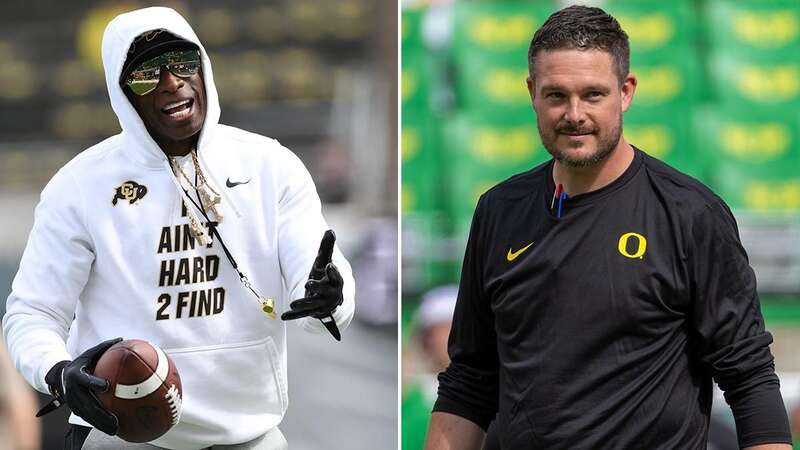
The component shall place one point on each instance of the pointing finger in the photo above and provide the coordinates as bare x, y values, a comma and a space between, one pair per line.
324, 255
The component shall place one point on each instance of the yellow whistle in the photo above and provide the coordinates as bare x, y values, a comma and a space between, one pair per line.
268, 306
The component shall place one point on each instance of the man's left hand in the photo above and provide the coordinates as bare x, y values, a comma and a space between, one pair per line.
324, 286
322, 296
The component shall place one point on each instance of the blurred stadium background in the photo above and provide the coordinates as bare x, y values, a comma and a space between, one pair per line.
718, 98
319, 76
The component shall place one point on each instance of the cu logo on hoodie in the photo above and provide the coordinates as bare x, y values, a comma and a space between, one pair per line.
130, 191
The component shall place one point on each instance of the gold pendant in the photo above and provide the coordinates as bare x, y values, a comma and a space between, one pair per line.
212, 203
268, 306
210, 198
217, 213
198, 233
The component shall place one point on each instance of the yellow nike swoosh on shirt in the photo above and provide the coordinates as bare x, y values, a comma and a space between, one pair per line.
513, 255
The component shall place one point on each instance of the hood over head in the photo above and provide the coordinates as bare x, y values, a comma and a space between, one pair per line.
117, 39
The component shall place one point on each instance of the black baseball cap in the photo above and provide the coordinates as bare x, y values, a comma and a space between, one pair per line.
150, 44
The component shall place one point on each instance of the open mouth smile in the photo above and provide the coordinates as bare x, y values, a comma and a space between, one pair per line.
179, 110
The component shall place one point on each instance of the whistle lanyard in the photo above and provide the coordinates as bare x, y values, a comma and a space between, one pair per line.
267, 304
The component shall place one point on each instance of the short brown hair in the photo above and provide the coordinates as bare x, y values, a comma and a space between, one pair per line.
583, 28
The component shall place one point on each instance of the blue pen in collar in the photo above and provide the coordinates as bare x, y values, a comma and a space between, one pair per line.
561, 199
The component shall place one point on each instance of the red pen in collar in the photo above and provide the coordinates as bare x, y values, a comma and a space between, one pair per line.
556, 194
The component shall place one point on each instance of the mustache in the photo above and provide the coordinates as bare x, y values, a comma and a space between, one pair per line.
573, 129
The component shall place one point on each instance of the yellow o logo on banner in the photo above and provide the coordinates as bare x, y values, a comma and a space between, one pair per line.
623, 245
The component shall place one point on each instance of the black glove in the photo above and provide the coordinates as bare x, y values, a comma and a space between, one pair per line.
73, 383
323, 289
322, 296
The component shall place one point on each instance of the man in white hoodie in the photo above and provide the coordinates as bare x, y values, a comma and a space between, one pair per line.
139, 236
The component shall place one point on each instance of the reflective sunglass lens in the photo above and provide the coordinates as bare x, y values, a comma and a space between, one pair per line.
144, 78
184, 69
143, 87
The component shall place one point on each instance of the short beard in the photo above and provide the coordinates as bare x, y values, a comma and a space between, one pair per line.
605, 147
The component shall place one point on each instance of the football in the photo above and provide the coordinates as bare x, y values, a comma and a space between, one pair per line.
144, 389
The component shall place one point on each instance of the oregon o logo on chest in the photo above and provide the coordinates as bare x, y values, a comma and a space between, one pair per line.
638, 248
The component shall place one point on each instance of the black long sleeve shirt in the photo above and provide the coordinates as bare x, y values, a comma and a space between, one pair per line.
605, 332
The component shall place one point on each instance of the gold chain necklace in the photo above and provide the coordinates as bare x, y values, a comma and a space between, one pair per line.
209, 197
209, 200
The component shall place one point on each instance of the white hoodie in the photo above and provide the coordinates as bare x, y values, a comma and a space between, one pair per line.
103, 263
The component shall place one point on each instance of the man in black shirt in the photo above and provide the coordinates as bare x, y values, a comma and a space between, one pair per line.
602, 291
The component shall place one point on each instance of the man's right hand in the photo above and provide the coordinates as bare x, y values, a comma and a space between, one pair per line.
73, 382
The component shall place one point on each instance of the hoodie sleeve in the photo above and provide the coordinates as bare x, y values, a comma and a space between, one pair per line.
300, 229
54, 269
